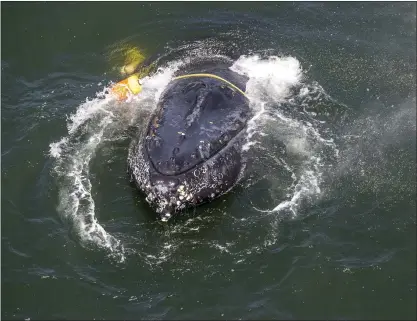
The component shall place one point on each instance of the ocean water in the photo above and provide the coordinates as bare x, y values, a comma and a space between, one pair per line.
323, 223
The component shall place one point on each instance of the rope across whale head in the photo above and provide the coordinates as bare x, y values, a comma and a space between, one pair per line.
133, 85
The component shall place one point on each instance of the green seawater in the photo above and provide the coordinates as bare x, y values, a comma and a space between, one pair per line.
324, 230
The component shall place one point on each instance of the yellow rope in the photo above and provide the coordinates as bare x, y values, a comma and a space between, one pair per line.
133, 85
212, 76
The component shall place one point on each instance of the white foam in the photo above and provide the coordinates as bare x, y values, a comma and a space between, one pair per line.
270, 84
307, 185
153, 86
270, 78
88, 110
73, 153
55, 149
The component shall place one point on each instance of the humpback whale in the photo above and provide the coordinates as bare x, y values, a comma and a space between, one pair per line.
190, 151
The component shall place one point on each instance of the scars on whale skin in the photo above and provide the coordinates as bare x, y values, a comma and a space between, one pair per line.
190, 152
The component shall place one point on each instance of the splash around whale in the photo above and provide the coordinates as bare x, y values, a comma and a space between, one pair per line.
190, 152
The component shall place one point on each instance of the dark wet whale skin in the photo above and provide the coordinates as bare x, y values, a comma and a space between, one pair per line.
191, 150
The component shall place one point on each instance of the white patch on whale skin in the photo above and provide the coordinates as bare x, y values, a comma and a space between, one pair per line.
161, 189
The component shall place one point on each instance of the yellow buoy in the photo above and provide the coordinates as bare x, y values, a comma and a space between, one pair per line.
129, 85
133, 58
